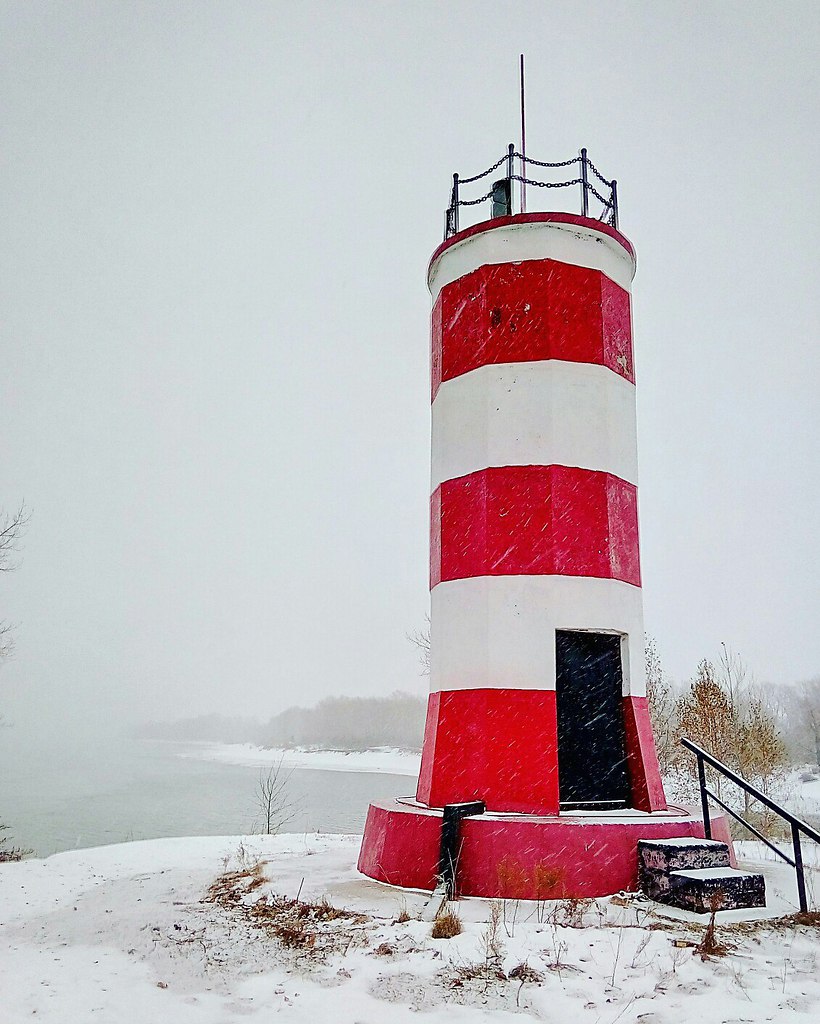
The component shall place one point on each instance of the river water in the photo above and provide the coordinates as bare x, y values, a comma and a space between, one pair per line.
57, 800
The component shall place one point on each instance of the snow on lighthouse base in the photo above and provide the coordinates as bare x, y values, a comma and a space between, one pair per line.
521, 856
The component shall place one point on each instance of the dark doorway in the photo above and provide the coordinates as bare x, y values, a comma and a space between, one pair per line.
592, 769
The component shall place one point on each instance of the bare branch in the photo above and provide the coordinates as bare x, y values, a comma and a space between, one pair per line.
6, 640
12, 527
420, 638
275, 807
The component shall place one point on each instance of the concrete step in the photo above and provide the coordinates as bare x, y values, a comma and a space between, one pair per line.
704, 889
695, 874
667, 855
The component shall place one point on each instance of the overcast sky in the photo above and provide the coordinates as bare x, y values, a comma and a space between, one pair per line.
216, 222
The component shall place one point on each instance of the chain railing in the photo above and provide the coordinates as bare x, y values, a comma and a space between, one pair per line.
501, 193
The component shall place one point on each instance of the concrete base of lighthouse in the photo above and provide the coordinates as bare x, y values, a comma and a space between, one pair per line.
521, 856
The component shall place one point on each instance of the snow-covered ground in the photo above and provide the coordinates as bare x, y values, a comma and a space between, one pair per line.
385, 760
800, 791
126, 933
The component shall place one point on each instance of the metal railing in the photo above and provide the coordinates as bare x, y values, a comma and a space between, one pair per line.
797, 825
593, 186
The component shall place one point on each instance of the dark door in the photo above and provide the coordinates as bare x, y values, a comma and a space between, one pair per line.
591, 751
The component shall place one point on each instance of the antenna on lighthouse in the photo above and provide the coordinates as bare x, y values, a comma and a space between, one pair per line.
523, 141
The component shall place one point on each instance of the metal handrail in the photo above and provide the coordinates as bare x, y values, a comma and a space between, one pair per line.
608, 214
797, 824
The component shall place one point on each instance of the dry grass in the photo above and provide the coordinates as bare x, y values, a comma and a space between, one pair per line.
446, 925
512, 879
709, 945
548, 885
568, 913
808, 918
297, 924
523, 972
404, 915
9, 853
232, 887
489, 972
12, 853
489, 969
476, 972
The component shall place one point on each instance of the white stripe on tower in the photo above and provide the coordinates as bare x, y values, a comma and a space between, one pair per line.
578, 245
541, 413
499, 631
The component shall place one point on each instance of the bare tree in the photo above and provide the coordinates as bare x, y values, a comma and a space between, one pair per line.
803, 717
12, 527
272, 798
706, 716
6, 640
734, 678
761, 752
662, 710
758, 747
420, 638
726, 714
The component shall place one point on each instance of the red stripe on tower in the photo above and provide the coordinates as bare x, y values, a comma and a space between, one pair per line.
474, 759
535, 520
539, 309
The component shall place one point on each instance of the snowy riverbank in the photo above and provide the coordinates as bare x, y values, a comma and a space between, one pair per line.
127, 932
799, 789
381, 760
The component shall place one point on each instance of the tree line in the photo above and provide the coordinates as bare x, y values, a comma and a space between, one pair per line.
351, 723
756, 731
344, 723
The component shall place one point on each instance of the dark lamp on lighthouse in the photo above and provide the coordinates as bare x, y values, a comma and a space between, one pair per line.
502, 198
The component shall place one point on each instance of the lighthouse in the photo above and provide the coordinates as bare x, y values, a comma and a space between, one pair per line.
538, 759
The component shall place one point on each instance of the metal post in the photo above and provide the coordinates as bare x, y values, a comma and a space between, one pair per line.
798, 867
704, 800
584, 185
455, 203
449, 849
614, 203
523, 143
510, 157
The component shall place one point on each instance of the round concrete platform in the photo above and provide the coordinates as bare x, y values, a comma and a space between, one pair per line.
521, 856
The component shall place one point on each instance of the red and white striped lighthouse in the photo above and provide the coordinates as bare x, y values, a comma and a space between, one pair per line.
534, 523
537, 705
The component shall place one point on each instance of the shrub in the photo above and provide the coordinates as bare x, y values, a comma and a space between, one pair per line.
446, 925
